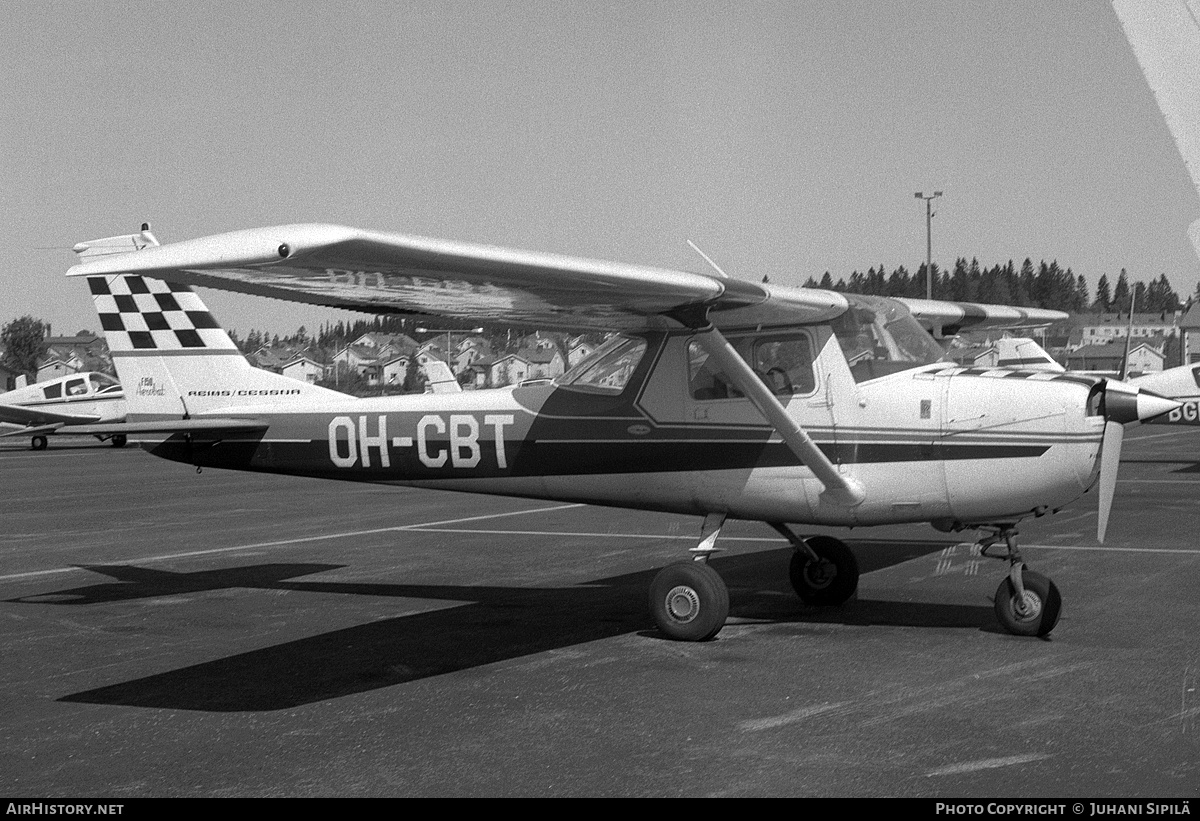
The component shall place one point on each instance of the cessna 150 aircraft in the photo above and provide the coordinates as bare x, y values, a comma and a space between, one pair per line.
64, 404
713, 396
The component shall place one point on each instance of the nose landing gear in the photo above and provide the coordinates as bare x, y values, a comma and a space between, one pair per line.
1027, 603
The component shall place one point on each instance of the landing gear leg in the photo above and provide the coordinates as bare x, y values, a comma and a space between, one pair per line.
1027, 603
823, 570
689, 600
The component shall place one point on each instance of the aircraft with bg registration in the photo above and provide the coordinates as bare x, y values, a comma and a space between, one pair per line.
714, 397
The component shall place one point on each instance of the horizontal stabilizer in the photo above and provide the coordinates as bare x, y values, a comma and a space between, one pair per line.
32, 431
194, 425
25, 415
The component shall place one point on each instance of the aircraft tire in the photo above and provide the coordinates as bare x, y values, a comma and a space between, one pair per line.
38, 443
1043, 605
831, 581
119, 440
689, 601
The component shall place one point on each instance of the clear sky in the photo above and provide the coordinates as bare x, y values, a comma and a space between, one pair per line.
784, 138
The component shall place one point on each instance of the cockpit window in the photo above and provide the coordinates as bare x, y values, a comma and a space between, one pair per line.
76, 387
609, 368
879, 337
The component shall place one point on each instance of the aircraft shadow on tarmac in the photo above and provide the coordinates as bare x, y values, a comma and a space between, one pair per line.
497, 624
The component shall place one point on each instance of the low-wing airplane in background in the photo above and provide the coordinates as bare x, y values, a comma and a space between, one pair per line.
66, 404
713, 396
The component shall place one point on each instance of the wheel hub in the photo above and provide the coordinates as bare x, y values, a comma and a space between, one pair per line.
1028, 606
683, 604
820, 574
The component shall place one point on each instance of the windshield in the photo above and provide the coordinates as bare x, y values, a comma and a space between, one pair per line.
879, 337
103, 383
609, 367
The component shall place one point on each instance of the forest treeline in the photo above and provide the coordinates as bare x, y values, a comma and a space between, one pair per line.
1046, 285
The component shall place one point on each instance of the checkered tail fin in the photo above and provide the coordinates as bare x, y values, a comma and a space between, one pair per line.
174, 359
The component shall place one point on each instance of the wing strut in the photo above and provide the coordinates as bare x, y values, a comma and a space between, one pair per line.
842, 490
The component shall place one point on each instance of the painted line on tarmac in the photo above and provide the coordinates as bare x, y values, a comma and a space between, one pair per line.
1099, 548
988, 764
302, 540
689, 538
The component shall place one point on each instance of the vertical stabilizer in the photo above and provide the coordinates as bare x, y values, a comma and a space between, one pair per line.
175, 360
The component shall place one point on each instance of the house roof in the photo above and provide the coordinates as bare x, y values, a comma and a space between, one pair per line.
1192, 318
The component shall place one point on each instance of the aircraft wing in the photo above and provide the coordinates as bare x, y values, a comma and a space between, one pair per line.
949, 318
1165, 38
342, 267
25, 415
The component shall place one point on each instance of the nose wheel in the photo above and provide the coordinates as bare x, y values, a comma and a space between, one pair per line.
1027, 603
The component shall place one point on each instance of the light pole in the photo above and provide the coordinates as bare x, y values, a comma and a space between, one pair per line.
928, 239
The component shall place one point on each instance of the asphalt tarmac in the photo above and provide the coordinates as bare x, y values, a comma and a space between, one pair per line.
228, 634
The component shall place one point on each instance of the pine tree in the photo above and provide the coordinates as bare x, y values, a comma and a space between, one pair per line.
1121, 295
1103, 303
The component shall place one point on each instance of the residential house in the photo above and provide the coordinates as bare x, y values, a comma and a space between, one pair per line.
305, 367
1108, 358
975, 356
1101, 328
1189, 328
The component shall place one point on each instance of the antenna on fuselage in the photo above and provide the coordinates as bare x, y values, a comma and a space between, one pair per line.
708, 259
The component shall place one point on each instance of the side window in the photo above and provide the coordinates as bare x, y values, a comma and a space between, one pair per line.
76, 387
53, 391
783, 362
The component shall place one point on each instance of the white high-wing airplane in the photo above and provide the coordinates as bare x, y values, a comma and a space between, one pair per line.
1165, 38
714, 397
65, 404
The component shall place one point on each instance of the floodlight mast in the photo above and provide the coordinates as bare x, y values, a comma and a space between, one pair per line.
928, 239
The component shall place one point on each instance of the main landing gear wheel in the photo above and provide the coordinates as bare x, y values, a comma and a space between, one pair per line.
830, 579
118, 440
38, 443
1033, 614
690, 601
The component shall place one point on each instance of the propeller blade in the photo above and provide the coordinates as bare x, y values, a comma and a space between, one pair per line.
1110, 460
